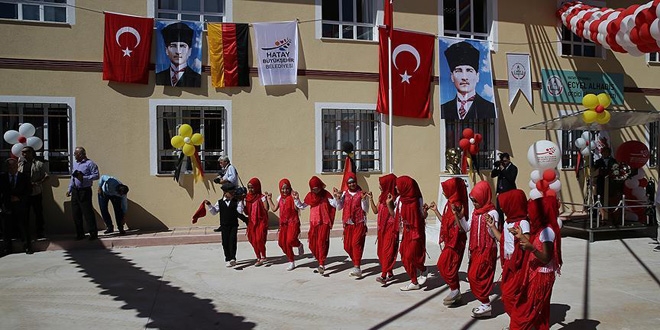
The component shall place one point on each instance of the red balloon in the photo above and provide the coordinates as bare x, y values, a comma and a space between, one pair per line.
634, 36
649, 48
629, 11
594, 37
478, 137
614, 26
474, 149
464, 144
468, 133
550, 193
542, 185
549, 175
599, 108
633, 153
643, 182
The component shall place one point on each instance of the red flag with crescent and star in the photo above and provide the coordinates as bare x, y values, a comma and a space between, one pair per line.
127, 48
412, 65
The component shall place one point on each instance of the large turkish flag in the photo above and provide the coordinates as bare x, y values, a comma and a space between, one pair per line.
127, 48
412, 65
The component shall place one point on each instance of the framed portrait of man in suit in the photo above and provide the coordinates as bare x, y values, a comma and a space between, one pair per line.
178, 53
466, 81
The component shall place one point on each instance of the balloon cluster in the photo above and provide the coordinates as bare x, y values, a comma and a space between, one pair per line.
620, 171
22, 138
585, 144
635, 189
186, 140
634, 30
544, 156
470, 141
596, 108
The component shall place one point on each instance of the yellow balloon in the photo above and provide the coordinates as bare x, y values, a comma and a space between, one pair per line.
185, 130
197, 139
177, 141
604, 100
589, 116
188, 149
605, 118
590, 101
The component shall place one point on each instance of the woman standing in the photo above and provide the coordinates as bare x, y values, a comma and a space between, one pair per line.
257, 212
287, 237
388, 228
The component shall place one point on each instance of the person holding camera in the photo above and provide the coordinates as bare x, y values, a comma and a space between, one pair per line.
228, 173
111, 190
84, 173
505, 172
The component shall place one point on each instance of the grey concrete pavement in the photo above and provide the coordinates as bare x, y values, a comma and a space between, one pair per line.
612, 284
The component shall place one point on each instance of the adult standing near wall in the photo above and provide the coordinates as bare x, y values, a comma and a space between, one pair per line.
15, 190
228, 173
84, 173
506, 174
37, 170
111, 190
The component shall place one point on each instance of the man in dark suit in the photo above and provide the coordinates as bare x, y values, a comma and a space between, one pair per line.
463, 61
15, 189
506, 174
178, 38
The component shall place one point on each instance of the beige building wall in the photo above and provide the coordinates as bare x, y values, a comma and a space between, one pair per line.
273, 129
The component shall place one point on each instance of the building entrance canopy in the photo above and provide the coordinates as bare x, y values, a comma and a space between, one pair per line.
619, 119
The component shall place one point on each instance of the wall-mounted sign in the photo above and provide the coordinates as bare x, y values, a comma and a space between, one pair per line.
570, 86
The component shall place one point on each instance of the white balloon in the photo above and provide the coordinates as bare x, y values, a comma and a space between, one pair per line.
11, 136
580, 143
592, 144
573, 22
627, 23
16, 149
639, 193
535, 193
603, 41
657, 11
585, 152
655, 29
640, 175
472, 141
535, 175
556, 185
35, 142
586, 135
532, 185
26, 129
630, 183
543, 154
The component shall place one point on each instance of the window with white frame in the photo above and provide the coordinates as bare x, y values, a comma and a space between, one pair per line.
486, 127
654, 130
192, 10
569, 151
210, 121
467, 18
59, 11
360, 127
53, 126
348, 19
653, 57
573, 45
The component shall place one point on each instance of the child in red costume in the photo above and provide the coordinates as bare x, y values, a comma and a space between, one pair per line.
256, 208
287, 237
355, 206
388, 228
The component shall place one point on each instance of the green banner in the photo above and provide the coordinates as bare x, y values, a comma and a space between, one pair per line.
570, 86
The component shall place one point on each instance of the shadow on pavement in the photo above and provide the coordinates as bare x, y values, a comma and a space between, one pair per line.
165, 306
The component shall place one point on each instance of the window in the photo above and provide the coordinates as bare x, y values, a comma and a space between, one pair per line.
53, 125
359, 125
60, 11
192, 10
210, 121
653, 58
467, 18
654, 130
569, 152
572, 45
348, 19
486, 127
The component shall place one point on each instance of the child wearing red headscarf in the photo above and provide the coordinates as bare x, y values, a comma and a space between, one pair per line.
321, 218
388, 228
410, 210
483, 247
256, 208
287, 237
355, 206
532, 311
514, 206
452, 234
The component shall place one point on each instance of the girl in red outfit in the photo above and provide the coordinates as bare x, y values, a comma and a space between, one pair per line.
321, 218
514, 206
388, 228
544, 260
287, 238
354, 218
410, 210
452, 235
256, 208
483, 248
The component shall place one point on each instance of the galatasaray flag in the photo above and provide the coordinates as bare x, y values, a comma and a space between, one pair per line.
127, 48
228, 49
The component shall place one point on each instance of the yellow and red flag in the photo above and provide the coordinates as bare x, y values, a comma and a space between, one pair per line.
228, 54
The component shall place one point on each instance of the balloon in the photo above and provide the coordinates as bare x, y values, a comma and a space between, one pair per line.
478, 138
599, 109
535, 194
586, 135
185, 130
188, 150
555, 186
604, 99
468, 133
643, 182
549, 175
592, 144
16, 149
605, 119
585, 152
472, 141
35, 143
177, 141
551, 193
535, 175
197, 139
532, 184
589, 116
543, 154
474, 149
630, 183
590, 101
26, 129
580, 143
464, 144
639, 193
634, 153
654, 28
11, 136
542, 185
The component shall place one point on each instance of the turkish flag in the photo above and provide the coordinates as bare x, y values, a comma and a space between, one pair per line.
389, 13
412, 65
127, 48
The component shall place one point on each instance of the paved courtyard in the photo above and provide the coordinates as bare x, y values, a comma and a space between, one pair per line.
608, 284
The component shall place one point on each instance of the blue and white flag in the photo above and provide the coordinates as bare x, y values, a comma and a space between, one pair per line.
277, 52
